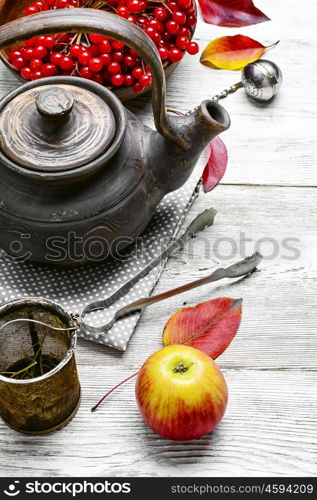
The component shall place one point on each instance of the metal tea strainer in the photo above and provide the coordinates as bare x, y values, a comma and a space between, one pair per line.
261, 80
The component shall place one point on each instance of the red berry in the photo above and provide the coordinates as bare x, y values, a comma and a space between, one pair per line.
28, 54
64, 38
85, 72
171, 27
36, 75
28, 11
117, 45
192, 48
129, 61
161, 13
84, 57
114, 68
128, 80
14, 54
49, 69
191, 20
39, 40
105, 47
145, 80
56, 58
123, 11
175, 55
137, 72
163, 51
30, 42
172, 5
156, 24
184, 31
106, 59
67, 63
40, 51
95, 64
134, 6
50, 3
154, 35
117, 80
49, 41
75, 50
41, 5
26, 73
134, 53
94, 49
181, 42
62, 4
132, 19
179, 17
137, 87
191, 10
118, 56
96, 38
142, 22
36, 64
184, 4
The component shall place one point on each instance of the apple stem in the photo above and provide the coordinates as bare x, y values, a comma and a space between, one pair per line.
181, 367
94, 408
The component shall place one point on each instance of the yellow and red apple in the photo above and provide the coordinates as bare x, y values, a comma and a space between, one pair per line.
181, 393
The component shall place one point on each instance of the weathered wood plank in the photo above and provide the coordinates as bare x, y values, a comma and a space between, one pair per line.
269, 429
278, 329
270, 425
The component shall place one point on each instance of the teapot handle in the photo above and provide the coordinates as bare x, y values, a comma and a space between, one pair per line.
107, 24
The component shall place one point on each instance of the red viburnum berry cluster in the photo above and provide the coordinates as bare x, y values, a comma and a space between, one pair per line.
168, 23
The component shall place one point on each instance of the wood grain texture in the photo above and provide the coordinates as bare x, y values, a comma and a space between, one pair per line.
270, 425
278, 328
268, 428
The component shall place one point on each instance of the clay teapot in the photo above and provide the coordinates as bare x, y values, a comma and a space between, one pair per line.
80, 175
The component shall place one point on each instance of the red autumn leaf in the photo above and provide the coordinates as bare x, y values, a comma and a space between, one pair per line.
216, 165
209, 326
232, 13
232, 52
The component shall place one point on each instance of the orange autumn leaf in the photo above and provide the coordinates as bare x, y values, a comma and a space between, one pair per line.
232, 52
209, 326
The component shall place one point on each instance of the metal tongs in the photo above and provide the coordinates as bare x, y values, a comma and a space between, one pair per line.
241, 268
203, 220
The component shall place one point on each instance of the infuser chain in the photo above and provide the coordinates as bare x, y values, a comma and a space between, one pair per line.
224, 93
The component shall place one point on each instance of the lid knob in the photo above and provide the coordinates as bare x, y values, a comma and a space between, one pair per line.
58, 126
54, 102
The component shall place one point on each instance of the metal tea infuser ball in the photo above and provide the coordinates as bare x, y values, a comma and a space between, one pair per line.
260, 79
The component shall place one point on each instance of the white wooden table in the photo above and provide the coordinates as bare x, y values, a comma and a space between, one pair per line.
269, 191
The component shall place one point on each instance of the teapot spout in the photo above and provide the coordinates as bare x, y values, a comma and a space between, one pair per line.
202, 125
174, 162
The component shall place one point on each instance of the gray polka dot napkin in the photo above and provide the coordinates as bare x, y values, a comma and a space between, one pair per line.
74, 288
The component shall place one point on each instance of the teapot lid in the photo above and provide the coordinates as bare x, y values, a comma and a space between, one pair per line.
56, 127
